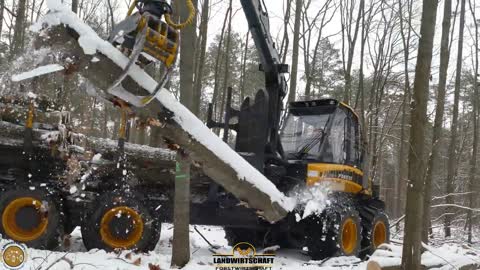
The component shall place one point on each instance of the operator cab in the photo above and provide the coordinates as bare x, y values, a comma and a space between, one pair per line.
325, 136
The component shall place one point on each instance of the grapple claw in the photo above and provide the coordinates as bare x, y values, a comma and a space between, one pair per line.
145, 32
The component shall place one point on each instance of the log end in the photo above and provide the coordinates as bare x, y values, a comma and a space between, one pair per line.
373, 265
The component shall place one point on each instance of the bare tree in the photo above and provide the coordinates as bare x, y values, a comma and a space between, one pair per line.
218, 61
75, 6
349, 39
295, 50
181, 218
452, 155
310, 56
406, 35
226, 75
110, 14
416, 164
181, 233
19, 31
285, 39
475, 119
439, 112
382, 56
244, 68
200, 63
2, 7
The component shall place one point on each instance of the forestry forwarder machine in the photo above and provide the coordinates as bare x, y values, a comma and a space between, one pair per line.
319, 144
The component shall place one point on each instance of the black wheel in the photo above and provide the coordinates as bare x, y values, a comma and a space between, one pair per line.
32, 217
376, 231
337, 232
68, 225
293, 236
235, 235
119, 221
69, 228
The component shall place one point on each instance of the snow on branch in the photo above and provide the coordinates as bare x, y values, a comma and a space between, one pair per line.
455, 205
37, 72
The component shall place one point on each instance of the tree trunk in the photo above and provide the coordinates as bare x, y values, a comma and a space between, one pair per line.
181, 213
106, 113
181, 218
116, 124
2, 7
140, 135
416, 164
75, 6
110, 14
473, 161
312, 67
295, 50
285, 40
187, 55
402, 159
217, 64
361, 91
92, 117
132, 131
351, 40
197, 89
439, 111
452, 155
17, 45
226, 75
244, 69
32, 12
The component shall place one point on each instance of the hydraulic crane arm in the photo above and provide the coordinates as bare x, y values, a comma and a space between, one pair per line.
260, 28
275, 82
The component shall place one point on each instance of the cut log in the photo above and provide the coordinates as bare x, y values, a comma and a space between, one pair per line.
388, 257
374, 265
380, 265
152, 165
17, 114
79, 143
100, 63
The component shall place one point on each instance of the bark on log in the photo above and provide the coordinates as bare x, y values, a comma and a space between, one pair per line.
377, 265
386, 259
374, 265
135, 153
103, 73
152, 165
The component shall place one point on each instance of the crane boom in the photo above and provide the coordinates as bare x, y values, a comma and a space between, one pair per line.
271, 65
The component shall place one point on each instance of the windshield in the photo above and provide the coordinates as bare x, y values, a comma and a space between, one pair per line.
302, 134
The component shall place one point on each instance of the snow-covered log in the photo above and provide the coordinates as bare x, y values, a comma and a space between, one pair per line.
85, 53
389, 257
79, 143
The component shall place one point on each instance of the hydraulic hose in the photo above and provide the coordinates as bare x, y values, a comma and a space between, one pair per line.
188, 21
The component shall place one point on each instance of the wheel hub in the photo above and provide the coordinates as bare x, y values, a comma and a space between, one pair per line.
24, 219
349, 236
379, 234
121, 227
28, 218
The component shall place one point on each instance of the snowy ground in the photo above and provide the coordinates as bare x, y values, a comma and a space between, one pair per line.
76, 257
79, 258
